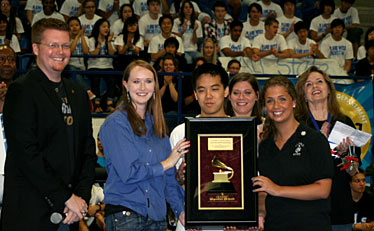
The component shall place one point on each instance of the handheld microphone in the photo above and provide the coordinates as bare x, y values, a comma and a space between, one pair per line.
56, 218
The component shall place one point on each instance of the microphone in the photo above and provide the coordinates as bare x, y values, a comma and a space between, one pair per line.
56, 218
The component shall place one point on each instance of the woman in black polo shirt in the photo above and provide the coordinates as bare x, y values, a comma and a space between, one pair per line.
295, 166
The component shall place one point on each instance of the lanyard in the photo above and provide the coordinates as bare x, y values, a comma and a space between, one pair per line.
316, 125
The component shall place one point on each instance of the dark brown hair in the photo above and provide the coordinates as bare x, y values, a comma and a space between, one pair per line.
154, 104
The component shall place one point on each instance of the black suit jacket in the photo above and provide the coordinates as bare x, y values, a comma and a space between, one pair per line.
39, 177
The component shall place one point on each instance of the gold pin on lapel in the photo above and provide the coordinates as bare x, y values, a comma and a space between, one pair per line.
72, 91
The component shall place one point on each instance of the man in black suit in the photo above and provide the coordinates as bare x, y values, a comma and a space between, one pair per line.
50, 161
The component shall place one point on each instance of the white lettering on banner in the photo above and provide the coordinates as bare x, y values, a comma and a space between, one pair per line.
285, 66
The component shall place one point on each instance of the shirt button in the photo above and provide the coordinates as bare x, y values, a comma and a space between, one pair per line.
69, 186
150, 150
146, 190
147, 163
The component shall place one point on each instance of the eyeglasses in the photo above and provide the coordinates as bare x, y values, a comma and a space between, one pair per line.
5, 4
56, 46
3, 59
90, 7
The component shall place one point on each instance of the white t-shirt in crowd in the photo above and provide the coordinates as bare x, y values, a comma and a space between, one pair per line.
188, 34
338, 50
41, 15
299, 48
157, 44
140, 7
88, 22
361, 53
320, 24
149, 27
34, 5
263, 44
349, 18
116, 27
227, 42
76, 61
251, 32
100, 63
19, 26
119, 42
70, 7
14, 44
285, 25
266, 9
107, 5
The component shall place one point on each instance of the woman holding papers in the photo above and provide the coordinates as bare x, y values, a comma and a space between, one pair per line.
318, 107
294, 164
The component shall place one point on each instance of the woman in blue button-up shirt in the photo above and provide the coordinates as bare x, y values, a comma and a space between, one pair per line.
139, 160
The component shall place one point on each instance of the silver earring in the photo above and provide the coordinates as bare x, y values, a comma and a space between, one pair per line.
128, 97
294, 106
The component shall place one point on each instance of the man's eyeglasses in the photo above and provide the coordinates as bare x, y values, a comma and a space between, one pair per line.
56, 46
3, 59
4, 4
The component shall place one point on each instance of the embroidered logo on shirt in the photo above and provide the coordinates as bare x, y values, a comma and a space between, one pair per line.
298, 148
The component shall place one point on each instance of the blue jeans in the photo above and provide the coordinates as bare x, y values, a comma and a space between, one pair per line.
124, 221
346, 227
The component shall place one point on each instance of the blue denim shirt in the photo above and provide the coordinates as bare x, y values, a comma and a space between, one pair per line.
136, 178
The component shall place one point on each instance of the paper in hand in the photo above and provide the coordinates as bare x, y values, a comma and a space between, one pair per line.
342, 131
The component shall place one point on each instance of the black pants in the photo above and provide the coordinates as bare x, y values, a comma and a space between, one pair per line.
110, 81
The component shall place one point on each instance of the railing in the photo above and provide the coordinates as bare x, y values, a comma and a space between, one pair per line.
179, 114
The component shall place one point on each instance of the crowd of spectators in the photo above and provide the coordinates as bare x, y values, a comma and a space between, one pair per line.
141, 29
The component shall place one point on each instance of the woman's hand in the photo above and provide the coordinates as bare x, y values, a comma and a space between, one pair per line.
110, 37
178, 151
81, 31
343, 146
168, 79
265, 185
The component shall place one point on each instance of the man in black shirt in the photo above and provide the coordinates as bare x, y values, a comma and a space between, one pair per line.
363, 203
50, 159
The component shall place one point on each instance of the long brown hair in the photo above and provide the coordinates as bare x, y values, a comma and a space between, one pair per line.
153, 106
302, 110
246, 77
269, 126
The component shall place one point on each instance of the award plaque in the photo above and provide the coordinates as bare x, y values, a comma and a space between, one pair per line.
220, 165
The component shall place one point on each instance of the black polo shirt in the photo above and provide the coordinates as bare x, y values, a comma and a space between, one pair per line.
304, 159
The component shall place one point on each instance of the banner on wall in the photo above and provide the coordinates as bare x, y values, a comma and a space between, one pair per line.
356, 101
292, 66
